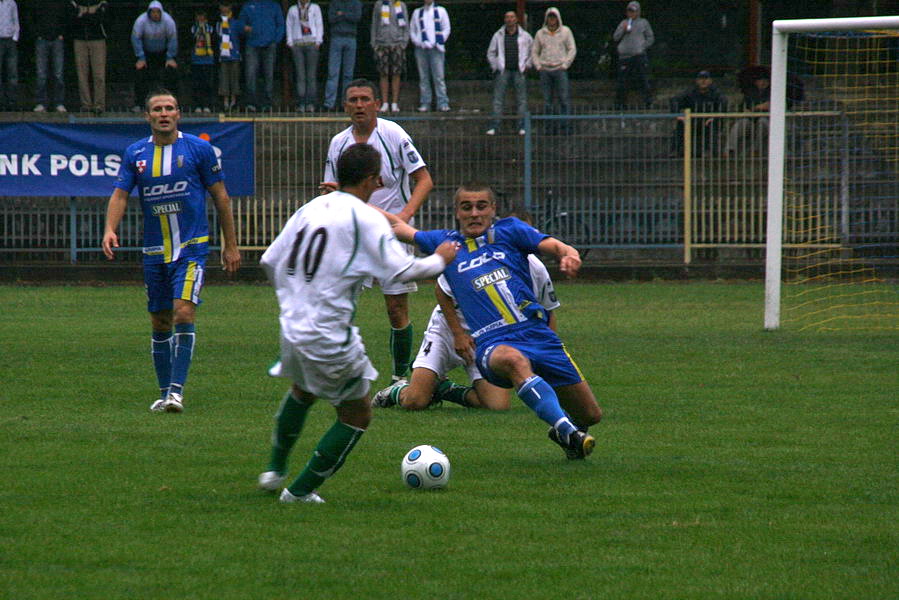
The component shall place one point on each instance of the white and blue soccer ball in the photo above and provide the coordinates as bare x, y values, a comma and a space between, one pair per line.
425, 467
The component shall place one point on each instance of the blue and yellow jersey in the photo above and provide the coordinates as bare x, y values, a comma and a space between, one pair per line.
171, 182
490, 276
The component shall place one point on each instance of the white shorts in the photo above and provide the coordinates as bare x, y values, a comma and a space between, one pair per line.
348, 377
394, 288
438, 355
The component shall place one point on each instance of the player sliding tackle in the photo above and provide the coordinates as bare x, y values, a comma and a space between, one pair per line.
318, 264
510, 340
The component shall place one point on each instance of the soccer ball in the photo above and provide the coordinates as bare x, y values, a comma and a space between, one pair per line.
425, 467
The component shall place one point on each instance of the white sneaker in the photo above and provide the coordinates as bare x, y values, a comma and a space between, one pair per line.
60, 108
521, 132
271, 481
394, 108
444, 109
158, 406
491, 132
198, 110
40, 108
311, 497
423, 108
207, 110
174, 403
385, 107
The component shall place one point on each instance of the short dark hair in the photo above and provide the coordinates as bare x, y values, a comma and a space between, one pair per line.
519, 212
158, 92
356, 163
376, 93
474, 186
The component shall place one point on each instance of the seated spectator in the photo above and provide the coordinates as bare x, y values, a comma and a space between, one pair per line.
429, 31
756, 98
228, 31
552, 54
202, 68
154, 38
49, 30
264, 29
389, 38
703, 97
305, 34
89, 41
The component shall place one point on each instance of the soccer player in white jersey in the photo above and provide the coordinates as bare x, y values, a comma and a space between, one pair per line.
437, 355
172, 171
400, 162
318, 264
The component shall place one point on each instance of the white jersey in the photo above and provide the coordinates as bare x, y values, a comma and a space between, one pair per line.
317, 265
543, 291
399, 158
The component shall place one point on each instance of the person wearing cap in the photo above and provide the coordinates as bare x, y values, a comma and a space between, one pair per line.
702, 97
634, 36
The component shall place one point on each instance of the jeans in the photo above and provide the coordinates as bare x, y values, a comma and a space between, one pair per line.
341, 53
555, 87
46, 51
254, 55
305, 63
501, 80
9, 74
430, 63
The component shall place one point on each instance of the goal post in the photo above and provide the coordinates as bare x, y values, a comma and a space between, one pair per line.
781, 31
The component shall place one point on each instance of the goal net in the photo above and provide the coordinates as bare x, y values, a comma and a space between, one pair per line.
833, 246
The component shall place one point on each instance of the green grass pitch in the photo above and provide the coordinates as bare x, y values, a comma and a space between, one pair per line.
731, 463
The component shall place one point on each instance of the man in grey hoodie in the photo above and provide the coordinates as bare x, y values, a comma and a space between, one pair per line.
155, 42
552, 54
634, 36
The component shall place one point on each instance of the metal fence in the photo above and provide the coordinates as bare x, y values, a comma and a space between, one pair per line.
616, 181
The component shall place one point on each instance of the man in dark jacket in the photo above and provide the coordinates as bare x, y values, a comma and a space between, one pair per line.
703, 97
264, 28
49, 29
344, 17
89, 41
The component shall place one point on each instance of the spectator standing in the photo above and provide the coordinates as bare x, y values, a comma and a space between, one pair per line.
9, 54
703, 97
154, 38
509, 56
264, 28
429, 31
228, 31
552, 54
389, 38
202, 68
305, 33
634, 37
49, 30
343, 17
89, 41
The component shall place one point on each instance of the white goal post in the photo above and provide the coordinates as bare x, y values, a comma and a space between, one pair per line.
779, 46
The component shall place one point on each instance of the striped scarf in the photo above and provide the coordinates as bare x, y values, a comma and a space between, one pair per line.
203, 40
438, 31
225, 51
397, 8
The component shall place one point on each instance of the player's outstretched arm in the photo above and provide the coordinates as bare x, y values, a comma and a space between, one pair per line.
569, 258
402, 230
230, 253
115, 210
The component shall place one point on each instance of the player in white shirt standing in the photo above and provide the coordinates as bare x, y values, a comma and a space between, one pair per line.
400, 162
318, 264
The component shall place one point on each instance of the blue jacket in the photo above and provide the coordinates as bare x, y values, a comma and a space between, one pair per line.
347, 24
267, 21
154, 36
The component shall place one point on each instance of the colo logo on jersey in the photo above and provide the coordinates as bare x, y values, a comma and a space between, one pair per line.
477, 261
166, 208
482, 281
164, 189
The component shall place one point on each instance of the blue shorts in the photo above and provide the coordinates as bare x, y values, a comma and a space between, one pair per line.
540, 344
182, 279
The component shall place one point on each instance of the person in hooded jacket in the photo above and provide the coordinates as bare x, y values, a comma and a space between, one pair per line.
553, 52
634, 36
154, 38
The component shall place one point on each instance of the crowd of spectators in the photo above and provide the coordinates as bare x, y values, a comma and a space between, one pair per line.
233, 55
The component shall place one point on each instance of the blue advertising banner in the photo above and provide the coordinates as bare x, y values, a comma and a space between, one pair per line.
45, 159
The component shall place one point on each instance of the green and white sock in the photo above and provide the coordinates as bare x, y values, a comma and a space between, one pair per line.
289, 422
327, 458
448, 391
401, 349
